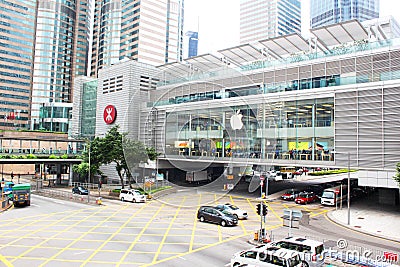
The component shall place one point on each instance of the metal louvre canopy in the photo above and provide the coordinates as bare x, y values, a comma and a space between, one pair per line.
205, 62
287, 44
176, 69
242, 54
336, 34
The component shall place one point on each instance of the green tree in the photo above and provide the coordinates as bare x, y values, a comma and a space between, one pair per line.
152, 153
117, 148
82, 169
396, 177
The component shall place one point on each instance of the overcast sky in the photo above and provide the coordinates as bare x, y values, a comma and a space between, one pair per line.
218, 21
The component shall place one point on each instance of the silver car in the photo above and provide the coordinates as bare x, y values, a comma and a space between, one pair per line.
236, 211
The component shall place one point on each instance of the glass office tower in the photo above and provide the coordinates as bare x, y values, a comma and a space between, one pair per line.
44, 45
17, 28
149, 31
262, 19
61, 53
325, 12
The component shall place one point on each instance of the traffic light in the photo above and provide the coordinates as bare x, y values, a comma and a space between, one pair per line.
265, 210
259, 209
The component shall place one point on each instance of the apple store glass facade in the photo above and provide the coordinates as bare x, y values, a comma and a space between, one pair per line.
298, 130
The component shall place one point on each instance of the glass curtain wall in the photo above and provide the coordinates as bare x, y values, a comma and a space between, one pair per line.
291, 130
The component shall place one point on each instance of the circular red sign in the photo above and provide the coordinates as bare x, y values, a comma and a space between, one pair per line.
110, 114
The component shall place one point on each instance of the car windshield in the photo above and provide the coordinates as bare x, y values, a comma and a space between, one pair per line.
226, 212
82, 188
290, 192
303, 195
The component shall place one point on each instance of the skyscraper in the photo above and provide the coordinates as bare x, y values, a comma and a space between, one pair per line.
193, 42
17, 27
149, 31
44, 45
325, 12
262, 19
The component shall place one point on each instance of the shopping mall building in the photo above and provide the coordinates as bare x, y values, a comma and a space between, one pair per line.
332, 101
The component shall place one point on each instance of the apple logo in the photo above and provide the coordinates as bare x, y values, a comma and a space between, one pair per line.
236, 121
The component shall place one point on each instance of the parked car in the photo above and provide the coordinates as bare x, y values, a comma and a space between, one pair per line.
310, 251
266, 256
306, 197
235, 210
215, 215
80, 190
131, 195
290, 194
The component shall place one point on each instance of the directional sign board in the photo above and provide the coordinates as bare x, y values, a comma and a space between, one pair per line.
295, 214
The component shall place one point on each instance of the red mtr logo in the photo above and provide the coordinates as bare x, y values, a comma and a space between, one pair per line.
110, 114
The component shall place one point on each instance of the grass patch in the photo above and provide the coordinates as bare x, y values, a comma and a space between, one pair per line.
320, 173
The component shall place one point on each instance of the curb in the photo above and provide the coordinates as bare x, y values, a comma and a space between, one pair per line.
6, 208
333, 220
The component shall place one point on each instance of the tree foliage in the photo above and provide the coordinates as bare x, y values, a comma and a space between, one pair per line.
396, 177
115, 148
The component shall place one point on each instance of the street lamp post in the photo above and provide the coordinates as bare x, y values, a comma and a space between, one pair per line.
348, 188
348, 185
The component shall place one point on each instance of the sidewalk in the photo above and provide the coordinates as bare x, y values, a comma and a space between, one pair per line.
369, 218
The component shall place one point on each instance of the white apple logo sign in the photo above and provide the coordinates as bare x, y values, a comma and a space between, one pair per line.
236, 121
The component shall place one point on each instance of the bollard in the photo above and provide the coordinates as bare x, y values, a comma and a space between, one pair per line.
256, 235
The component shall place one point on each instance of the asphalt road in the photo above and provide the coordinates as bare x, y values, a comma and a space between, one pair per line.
165, 232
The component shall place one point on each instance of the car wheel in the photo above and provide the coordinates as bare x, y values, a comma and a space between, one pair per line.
223, 223
201, 218
122, 199
304, 264
236, 217
133, 200
236, 264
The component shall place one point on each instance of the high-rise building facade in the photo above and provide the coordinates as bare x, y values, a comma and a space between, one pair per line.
325, 12
44, 45
17, 31
193, 43
262, 19
149, 31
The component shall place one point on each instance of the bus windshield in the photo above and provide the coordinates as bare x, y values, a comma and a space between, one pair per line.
328, 194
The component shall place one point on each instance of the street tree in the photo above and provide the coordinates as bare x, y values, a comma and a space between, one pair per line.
117, 148
396, 177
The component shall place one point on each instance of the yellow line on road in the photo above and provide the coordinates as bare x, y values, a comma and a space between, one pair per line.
319, 213
196, 250
5, 261
194, 226
140, 234
239, 222
167, 231
79, 238
115, 233
273, 211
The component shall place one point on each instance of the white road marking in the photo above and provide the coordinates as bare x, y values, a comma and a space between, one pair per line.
81, 252
35, 205
59, 202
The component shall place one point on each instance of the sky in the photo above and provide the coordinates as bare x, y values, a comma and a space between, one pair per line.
218, 21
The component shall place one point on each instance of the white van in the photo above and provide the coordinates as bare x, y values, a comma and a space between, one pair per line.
266, 256
309, 250
131, 195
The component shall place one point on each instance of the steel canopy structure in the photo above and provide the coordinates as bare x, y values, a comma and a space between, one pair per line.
322, 39
340, 33
286, 45
242, 54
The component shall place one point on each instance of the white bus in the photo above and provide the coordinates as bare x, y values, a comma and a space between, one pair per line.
334, 196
